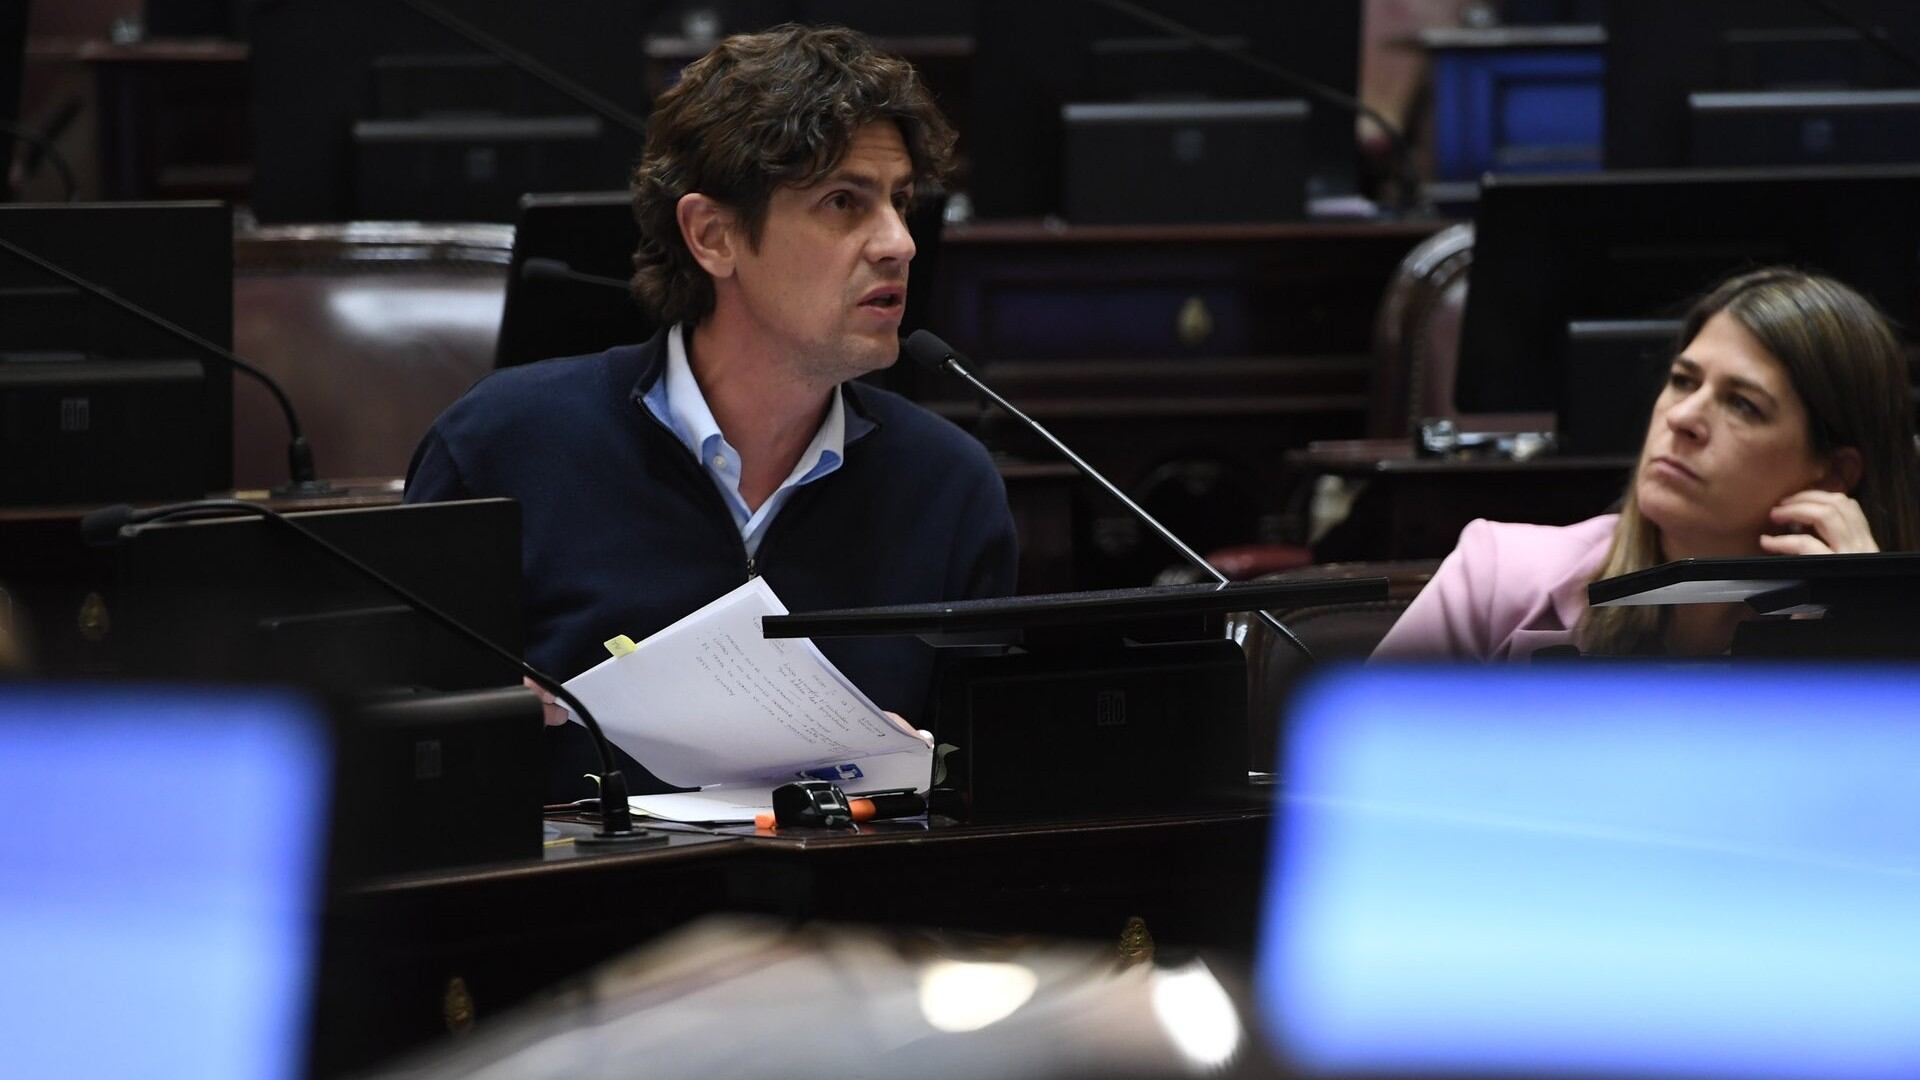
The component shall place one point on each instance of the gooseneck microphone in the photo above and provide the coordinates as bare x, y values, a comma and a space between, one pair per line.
930, 352
113, 523
544, 269
300, 474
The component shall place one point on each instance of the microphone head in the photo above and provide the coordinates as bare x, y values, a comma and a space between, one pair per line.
541, 269
102, 527
929, 351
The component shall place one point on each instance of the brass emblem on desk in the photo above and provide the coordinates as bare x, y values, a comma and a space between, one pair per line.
1194, 323
456, 1006
1136, 943
93, 619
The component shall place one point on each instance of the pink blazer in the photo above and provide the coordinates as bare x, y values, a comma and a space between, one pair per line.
1506, 591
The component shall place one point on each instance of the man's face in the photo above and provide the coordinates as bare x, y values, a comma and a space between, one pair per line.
827, 284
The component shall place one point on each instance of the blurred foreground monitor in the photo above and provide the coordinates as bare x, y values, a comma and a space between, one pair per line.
177, 935
1637, 869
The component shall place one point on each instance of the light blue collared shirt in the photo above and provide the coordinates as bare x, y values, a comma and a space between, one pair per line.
676, 401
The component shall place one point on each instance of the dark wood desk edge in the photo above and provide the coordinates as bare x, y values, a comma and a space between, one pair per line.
738, 845
1346, 465
165, 51
687, 847
353, 492
1001, 832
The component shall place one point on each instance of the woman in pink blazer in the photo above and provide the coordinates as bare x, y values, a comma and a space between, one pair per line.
1785, 427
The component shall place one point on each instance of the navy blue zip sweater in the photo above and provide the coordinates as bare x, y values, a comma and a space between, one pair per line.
624, 532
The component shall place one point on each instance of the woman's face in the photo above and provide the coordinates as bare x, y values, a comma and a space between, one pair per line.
1728, 440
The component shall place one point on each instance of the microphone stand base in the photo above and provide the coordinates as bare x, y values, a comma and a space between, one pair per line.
307, 489
631, 838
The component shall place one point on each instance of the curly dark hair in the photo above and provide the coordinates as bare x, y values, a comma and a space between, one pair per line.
763, 110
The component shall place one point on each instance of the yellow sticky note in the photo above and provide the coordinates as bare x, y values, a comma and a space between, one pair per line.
620, 646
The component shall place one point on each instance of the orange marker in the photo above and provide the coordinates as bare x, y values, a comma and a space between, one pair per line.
887, 806
879, 806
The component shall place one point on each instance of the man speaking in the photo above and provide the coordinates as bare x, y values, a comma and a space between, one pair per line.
772, 205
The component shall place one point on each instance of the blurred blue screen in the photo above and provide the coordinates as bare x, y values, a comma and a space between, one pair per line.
161, 862
1634, 870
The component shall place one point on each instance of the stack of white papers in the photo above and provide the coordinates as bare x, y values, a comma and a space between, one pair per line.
710, 703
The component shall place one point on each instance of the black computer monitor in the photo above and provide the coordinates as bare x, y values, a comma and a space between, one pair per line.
1031, 59
13, 47
369, 109
1550, 251
95, 404
1804, 127
595, 233
1659, 52
238, 598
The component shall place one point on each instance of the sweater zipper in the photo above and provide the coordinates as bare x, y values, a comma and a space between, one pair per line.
799, 493
753, 560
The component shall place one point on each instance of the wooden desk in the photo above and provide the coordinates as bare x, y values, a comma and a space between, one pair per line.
1414, 507
406, 958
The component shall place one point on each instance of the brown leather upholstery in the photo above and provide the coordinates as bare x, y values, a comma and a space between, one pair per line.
1416, 334
14, 651
372, 327
1335, 632
1245, 562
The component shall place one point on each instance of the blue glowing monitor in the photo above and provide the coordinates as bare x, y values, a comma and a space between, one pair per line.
161, 864
1632, 870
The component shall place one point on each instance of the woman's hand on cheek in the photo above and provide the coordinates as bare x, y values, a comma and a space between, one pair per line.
1831, 524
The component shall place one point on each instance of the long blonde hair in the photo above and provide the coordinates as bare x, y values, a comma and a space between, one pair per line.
1843, 359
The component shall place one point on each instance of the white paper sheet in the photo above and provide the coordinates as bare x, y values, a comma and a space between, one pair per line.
717, 806
709, 701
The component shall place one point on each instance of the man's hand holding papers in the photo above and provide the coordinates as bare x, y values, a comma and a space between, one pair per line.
710, 703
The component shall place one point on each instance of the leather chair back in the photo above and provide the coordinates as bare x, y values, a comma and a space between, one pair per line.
1334, 632
1416, 334
372, 327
